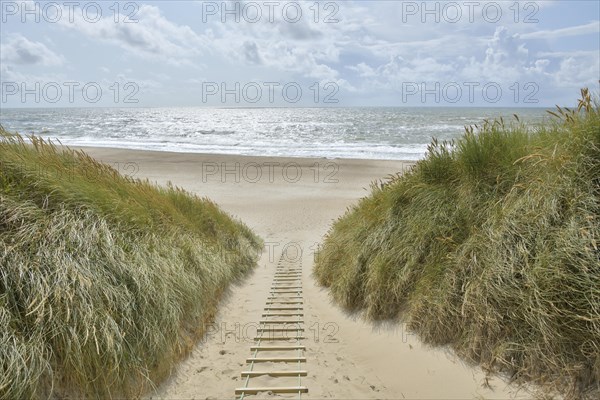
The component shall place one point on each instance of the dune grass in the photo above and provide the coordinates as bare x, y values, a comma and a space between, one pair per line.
105, 281
489, 245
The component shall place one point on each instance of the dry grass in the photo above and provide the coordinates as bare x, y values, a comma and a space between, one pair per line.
489, 245
105, 281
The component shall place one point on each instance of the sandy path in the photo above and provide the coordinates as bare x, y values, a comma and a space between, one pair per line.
346, 357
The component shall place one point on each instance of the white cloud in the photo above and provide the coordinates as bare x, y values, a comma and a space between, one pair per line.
152, 36
506, 60
363, 70
592, 27
21, 51
577, 72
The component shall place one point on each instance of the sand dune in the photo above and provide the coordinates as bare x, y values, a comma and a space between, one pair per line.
291, 203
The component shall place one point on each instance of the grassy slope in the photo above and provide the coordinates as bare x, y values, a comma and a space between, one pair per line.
104, 281
489, 245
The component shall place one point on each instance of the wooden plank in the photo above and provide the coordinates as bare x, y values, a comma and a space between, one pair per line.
269, 321
293, 294
275, 359
257, 390
286, 291
271, 337
251, 374
279, 329
285, 298
282, 315
295, 285
285, 287
284, 308
285, 302
276, 348
279, 323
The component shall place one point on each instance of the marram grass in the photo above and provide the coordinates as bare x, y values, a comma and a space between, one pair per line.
490, 245
105, 281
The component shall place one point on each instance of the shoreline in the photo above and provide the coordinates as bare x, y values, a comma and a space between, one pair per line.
201, 154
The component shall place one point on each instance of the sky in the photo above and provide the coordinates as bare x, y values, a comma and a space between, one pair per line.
297, 53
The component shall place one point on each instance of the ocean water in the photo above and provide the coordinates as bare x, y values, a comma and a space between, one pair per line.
369, 133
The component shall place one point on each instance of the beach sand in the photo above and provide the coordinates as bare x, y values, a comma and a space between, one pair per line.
291, 205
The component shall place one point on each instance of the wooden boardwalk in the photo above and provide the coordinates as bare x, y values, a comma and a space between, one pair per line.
280, 331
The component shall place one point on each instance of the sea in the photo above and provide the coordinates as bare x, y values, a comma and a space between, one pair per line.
383, 133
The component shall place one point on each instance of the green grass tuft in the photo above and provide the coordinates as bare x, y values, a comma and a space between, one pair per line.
105, 281
489, 245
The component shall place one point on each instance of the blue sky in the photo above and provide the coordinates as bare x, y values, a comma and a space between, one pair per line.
282, 53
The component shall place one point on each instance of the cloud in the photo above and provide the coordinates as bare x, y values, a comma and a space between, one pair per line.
363, 70
300, 30
591, 28
21, 51
152, 36
578, 72
251, 53
302, 49
506, 59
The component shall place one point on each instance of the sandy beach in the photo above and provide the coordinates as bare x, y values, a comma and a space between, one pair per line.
291, 203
